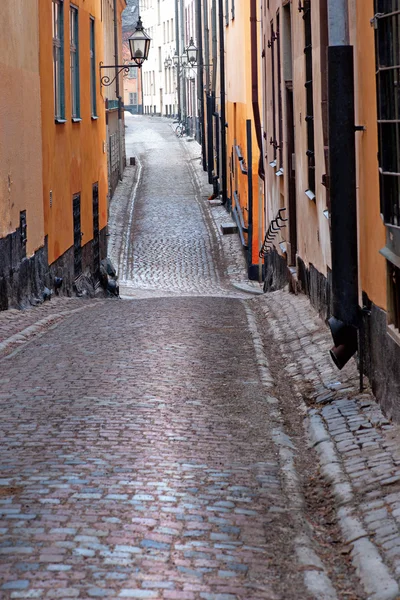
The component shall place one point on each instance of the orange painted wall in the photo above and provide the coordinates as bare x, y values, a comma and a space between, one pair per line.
74, 154
20, 137
372, 266
238, 110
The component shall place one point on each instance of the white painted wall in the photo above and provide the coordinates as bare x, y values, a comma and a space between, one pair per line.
159, 82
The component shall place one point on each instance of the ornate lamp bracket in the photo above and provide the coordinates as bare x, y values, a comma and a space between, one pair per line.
105, 80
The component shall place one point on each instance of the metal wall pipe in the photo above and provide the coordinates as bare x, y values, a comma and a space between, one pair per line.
254, 84
224, 186
117, 92
177, 50
182, 42
342, 166
200, 82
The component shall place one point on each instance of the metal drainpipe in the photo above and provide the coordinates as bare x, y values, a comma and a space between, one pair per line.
342, 168
222, 100
183, 81
200, 82
117, 91
254, 84
178, 77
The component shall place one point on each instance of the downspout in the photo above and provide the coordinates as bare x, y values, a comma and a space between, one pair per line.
117, 91
207, 90
200, 82
224, 187
342, 169
183, 80
177, 50
254, 84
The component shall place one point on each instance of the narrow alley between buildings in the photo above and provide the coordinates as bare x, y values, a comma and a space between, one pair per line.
154, 446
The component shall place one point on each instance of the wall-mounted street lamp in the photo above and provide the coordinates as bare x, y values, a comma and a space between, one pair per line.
139, 45
191, 52
168, 62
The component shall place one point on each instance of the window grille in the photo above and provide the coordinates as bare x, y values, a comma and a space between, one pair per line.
309, 95
93, 68
387, 45
58, 59
74, 62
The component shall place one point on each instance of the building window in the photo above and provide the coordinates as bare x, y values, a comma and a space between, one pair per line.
74, 60
132, 73
133, 98
58, 60
309, 98
387, 31
93, 69
159, 59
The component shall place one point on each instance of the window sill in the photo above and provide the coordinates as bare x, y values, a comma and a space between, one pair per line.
310, 195
76, 119
60, 120
94, 117
273, 164
279, 173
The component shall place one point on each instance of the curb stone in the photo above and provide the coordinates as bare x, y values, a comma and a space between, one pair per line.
373, 573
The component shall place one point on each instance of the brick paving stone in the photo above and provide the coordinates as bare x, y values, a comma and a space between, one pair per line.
139, 459
365, 440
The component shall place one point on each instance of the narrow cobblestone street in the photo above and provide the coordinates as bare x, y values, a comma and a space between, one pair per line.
153, 446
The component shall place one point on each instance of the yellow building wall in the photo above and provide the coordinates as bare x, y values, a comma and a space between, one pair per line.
238, 110
20, 137
372, 265
312, 226
74, 154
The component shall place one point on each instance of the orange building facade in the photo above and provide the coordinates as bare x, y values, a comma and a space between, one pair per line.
74, 147
23, 258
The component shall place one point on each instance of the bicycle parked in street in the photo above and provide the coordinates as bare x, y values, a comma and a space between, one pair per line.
180, 129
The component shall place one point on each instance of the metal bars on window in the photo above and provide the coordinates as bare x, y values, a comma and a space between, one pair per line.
74, 62
387, 47
58, 59
309, 95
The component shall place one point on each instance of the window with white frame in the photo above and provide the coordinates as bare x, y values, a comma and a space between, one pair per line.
58, 60
74, 62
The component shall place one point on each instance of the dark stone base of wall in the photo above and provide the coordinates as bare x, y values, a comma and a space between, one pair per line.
276, 273
305, 280
381, 359
316, 286
22, 280
253, 272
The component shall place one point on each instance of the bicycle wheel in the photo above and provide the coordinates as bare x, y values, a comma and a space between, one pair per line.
179, 130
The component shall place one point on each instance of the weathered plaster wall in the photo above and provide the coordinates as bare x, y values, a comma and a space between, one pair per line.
20, 118
238, 110
312, 225
74, 154
372, 265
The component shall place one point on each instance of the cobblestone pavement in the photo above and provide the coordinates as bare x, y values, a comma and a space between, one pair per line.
154, 447
168, 244
137, 460
358, 447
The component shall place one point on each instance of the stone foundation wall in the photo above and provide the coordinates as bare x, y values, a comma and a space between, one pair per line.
22, 280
